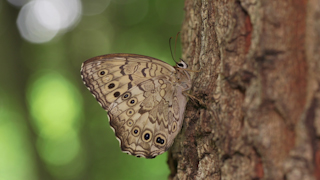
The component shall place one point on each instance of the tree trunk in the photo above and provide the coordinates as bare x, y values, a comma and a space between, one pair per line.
259, 78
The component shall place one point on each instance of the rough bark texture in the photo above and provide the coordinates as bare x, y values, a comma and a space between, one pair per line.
259, 63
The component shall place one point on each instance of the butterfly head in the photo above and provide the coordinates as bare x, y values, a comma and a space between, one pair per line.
182, 75
182, 64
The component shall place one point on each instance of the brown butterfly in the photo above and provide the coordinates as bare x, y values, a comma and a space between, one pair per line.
144, 97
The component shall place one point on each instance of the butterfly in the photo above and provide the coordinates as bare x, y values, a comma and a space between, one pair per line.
144, 97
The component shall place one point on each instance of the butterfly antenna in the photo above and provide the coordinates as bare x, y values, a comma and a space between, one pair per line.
175, 44
171, 50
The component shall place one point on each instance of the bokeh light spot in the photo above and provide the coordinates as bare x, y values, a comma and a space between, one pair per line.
60, 151
47, 15
40, 21
17, 161
55, 105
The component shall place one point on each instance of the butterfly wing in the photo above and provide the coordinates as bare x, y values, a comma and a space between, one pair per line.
109, 76
147, 118
141, 97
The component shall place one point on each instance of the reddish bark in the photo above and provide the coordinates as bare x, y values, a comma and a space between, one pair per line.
259, 78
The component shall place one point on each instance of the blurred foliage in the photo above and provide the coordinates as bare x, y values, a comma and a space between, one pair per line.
50, 125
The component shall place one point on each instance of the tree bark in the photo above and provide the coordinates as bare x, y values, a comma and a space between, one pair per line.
259, 78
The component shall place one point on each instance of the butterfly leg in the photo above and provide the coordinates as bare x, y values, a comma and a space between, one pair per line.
194, 99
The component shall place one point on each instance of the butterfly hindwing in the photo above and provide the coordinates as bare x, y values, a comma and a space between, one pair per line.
144, 114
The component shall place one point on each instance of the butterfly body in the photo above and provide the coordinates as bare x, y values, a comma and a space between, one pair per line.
144, 99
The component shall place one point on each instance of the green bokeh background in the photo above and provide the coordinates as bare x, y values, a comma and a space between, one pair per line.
50, 125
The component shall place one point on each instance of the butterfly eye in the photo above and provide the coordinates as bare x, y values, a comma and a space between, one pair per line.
182, 64
160, 140
126, 95
133, 101
130, 112
147, 136
102, 73
112, 85
116, 94
135, 131
130, 122
174, 127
